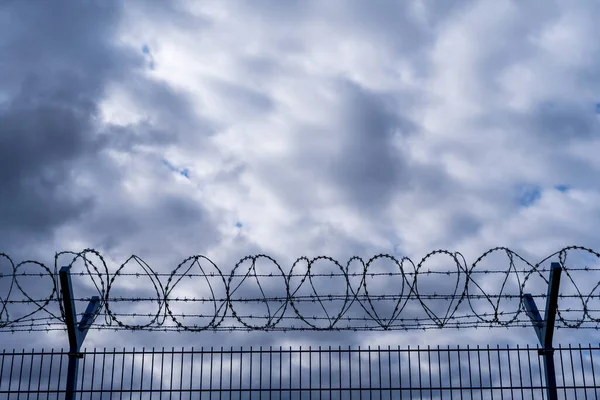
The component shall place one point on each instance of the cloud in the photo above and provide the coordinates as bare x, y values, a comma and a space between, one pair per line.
321, 128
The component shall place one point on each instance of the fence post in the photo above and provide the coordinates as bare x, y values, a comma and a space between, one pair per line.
75, 331
544, 328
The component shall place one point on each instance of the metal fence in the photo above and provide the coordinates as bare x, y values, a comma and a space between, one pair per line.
302, 373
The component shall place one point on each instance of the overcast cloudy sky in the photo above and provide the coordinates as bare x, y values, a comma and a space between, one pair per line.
294, 128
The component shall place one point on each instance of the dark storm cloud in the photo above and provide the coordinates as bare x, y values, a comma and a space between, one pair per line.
58, 57
57, 60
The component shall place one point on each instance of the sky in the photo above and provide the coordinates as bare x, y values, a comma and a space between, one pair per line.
297, 128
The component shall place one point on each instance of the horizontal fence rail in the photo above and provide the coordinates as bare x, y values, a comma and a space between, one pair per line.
302, 373
382, 293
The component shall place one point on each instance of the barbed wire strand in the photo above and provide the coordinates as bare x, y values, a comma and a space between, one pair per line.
356, 307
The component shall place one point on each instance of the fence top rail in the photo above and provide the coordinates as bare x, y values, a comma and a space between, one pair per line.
300, 349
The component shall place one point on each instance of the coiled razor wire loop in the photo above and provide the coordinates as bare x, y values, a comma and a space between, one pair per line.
304, 298
219, 305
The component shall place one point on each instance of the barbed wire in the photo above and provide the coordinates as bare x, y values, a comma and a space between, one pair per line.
355, 296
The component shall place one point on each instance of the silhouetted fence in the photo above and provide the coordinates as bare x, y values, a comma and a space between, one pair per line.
320, 293
313, 373
302, 299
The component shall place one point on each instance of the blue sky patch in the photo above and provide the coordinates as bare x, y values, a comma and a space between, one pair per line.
238, 225
149, 57
183, 172
530, 196
562, 188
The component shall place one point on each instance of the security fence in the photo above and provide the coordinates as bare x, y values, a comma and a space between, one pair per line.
302, 373
318, 294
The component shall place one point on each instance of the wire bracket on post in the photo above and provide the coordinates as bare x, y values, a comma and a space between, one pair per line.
76, 331
544, 328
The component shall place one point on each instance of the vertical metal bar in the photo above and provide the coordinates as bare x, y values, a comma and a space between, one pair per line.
76, 332
192, 372
71, 321
460, 385
151, 371
552, 302
162, 370
69, 306
340, 368
132, 370
241, 370
171, 374
270, 372
593, 373
470, 371
122, 375
210, 382
400, 386
230, 373
582, 371
102, 377
82, 373
280, 371
93, 373
380, 384
112, 374
530, 371
430, 378
2, 366
251, 372
359, 374
290, 373
181, 370
450, 375
142, 372
550, 317
300, 372
510, 380
500, 373
220, 373
520, 372
572, 371
310, 372
60, 364
40, 376
30, 373
544, 394
350, 371
490, 372
50, 370
419, 367
389, 353
21, 370
409, 373
480, 371
330, 375
260, 371
550, 372
370, 374
202, 370
439, 355
320, 377
562, 369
